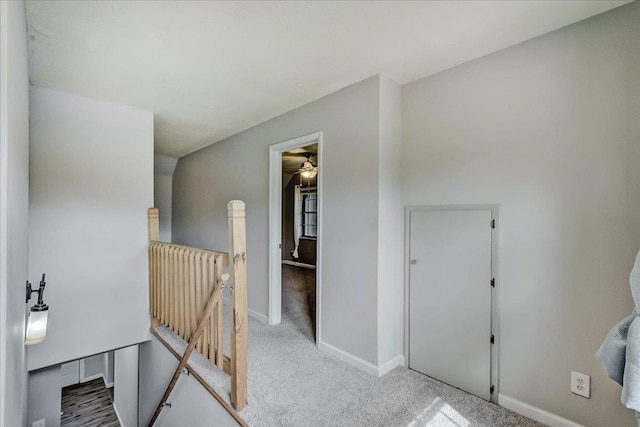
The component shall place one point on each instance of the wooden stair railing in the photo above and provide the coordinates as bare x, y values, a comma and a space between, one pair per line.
185, 282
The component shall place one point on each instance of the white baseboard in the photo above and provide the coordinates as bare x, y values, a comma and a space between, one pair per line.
540, 415
369, 368
93, 377
361, 364
299, 264
115, 408
396, 361
259, 316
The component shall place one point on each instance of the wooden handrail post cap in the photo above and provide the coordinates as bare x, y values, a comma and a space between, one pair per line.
236, 209
154, 224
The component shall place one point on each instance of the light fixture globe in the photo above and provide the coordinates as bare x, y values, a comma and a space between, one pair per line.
37, 325
308, 170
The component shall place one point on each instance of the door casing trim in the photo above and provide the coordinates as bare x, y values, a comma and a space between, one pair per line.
275, 227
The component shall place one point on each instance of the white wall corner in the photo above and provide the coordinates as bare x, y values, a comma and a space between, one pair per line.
342, 355
164, 165
259, 316
361, 364
115, 408
387, 367
535, 413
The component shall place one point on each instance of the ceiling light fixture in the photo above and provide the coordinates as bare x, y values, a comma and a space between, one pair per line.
38, 316
308, 170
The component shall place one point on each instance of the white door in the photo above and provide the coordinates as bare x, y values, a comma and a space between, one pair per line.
70, 373
450, 297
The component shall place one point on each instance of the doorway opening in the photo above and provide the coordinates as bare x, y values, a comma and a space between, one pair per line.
87, 391
295, 201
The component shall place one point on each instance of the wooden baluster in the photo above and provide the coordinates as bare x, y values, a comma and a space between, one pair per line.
169, 282
198, 265
219, 316
156, 279
185, 293
238, 273
212, 319
176, 291
165, 286
158, 256
190, 310
151, 284
180, 288
152, 289
153, 278
206, 293
187, 300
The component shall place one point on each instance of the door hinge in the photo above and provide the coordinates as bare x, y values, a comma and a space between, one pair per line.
492, 339
493, 282
493, 223
491, 389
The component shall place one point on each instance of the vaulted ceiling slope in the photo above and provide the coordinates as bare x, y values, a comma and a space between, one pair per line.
211, 69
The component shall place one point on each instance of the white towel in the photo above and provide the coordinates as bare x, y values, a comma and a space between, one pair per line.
620, 351
612, 353
631, 382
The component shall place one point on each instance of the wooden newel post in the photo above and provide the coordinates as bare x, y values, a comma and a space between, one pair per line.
238, 273
154, 224
154, 235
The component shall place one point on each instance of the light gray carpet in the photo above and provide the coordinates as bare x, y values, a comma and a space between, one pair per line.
292, 383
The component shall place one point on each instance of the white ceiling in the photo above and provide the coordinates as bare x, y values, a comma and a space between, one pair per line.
211, 69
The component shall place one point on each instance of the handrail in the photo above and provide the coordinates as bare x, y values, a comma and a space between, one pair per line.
210, 251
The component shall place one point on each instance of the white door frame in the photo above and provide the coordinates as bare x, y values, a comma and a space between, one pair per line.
275, 225
495, 273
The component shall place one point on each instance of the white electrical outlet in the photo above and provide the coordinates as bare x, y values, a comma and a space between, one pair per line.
39, 423
580, 384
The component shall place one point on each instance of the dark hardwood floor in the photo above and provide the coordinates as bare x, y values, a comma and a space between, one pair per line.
88, 405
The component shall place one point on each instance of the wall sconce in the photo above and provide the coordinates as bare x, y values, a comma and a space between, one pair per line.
38, 315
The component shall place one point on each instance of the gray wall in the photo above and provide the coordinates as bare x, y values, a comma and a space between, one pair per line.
163, 167
109, 368
45, 397
14, 204
91, 184
191, 404
238, 168
390, 225
125, 385
162, 185
550, 129
93, 366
